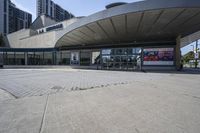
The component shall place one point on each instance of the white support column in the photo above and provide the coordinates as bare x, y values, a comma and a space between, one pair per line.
178, 53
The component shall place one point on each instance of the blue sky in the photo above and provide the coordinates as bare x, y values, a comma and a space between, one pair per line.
78, 8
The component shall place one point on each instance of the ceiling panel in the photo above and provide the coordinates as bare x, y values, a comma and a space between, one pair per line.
98, 32
133, 20
87, 31
182, 18
108, 27
65, 42
190, 24
82, 36
165, 19
119, 23
145, 26
74, 38
149, 19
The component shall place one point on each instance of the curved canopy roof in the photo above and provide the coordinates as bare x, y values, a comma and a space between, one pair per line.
151, 20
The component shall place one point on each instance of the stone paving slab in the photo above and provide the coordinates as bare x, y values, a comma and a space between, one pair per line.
136, 103
132, 108
22, 115
4, 96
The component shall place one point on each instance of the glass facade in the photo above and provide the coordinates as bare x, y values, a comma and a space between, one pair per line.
96, 57
48, 58
75, 58
20, 58
62, 58
129, 59
121, 59
39, 57
85, 58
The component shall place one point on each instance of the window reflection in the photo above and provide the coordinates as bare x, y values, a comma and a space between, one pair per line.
121, 58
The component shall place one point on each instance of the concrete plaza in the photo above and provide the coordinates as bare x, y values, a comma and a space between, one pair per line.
89, 101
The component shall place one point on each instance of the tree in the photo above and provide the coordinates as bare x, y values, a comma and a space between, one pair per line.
1, 40
189, 56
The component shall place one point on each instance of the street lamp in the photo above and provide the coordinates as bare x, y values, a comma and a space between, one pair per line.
192, 48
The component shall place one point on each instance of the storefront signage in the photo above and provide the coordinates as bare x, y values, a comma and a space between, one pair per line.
54, 27
158, 56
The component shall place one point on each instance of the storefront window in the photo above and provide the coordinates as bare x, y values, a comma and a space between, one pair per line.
58, 58
75, 60
95, 58
64, 58
39, 56
121, 58
48, 58
19, 58
121, 51
107, 51
85, 57
31, 58
10, 58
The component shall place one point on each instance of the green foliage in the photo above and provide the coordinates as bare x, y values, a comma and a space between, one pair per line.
189, 56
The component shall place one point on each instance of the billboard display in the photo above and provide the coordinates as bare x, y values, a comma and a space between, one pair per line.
158, 56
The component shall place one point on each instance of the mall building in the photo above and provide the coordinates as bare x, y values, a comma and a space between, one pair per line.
125, 36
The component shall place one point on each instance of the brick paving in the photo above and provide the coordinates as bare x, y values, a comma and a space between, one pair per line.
35, 82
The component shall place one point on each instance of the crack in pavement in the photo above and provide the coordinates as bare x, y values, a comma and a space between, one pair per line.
44, 115
9, 93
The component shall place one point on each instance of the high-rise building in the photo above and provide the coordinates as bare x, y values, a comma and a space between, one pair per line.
53, 10
12, 18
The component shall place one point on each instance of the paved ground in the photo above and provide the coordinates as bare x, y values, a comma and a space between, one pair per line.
4, 95
38, 82
78, 101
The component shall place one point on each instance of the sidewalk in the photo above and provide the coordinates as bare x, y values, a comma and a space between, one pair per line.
164, 106
4, 96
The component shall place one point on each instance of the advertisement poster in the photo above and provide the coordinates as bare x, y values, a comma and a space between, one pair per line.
74, 58
158, 56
